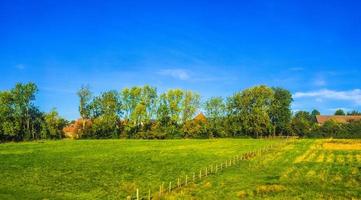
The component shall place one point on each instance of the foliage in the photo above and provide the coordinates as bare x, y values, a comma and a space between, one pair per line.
52, 126
340, 112
139, 112
215, 109
302, 123
255, 108
280, 111
354, 112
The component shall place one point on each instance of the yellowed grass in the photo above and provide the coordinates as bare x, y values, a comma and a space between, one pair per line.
261, 189
242, 194
287, 172
330, 157
358, 158
341, 145
311, 174
349, 158
305, 156
354, 171
340, 159
312, 156
321, 157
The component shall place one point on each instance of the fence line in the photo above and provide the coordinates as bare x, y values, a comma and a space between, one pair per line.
222, 166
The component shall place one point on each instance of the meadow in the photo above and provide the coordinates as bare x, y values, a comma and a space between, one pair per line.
303, 169
115, 169
112, 169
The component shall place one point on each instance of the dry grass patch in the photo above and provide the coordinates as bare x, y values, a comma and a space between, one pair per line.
263, 189
242, 194
342, 145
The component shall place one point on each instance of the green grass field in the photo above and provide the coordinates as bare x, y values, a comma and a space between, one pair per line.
114, 169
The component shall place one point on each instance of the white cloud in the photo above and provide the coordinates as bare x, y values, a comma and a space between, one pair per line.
349, 95
175, 73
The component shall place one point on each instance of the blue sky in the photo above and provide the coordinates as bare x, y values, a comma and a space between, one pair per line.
312, 48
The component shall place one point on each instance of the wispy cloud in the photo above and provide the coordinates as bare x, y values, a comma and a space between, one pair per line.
175, 73
348, 95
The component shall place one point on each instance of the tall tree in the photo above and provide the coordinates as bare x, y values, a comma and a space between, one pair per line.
53, 125
280, 111
173, 99
23, 96
190, 105
256, 104
9, 127
314, 113
106, 109
215, 110
302, 123
85, 96
233, 124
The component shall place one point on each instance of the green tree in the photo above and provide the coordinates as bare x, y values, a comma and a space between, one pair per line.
106, 110
314, 113
189, 105
85, 96
256, 104
8, 126
169, 112
354, 112
23, 97
302, 123
280, 111
215, 110
340, 112
53, 125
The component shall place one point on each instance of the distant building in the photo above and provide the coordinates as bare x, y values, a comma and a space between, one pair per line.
337, 118
200, 117
74, 130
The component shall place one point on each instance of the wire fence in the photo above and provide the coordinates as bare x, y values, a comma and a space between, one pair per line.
198, 176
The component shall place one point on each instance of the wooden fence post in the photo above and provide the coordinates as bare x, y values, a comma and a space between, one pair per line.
137, 194
149, 194
170, 186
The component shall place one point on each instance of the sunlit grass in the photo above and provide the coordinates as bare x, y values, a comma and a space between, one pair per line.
111, 169
307, 171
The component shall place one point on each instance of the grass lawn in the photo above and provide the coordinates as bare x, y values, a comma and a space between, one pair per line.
113, 169
304, 169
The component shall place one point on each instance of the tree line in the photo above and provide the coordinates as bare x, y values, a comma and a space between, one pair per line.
143, 112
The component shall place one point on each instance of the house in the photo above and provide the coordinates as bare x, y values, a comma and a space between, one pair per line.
74, 130
337, 118
200, 117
